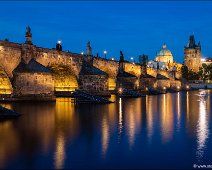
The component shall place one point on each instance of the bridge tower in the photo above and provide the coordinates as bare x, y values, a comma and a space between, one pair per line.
192, 55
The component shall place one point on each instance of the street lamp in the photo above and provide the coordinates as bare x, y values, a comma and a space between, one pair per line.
82, 53
59, 41
132, 60
105, 52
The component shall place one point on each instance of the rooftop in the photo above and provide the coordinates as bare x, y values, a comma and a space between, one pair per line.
33, 66
88, 69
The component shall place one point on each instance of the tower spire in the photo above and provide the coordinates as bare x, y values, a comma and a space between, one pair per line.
191, 42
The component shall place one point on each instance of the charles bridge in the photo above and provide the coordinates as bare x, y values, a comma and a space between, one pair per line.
30, 70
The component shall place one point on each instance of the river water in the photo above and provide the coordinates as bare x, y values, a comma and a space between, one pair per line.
171, 130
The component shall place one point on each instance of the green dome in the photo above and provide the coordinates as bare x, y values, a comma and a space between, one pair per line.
164, 51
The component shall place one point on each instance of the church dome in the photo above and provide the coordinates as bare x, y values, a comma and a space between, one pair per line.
164, 55
164, 51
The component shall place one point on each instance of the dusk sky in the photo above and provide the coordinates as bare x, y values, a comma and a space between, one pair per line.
134, 27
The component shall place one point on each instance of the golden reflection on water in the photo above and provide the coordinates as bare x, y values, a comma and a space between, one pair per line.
105, 136
149, 113
60, 152
55, 125
166, 117
120, 127
178, 111
133, 117
187, 106
8, 143
202, 125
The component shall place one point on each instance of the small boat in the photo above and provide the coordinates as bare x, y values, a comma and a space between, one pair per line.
7, 113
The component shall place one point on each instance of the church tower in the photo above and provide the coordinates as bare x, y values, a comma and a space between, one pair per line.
192, 55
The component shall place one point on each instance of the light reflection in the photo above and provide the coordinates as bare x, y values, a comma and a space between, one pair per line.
105, 136
178, 111
60, 152
120, 119
187, 106
149, 112
202, 126
133, 120
9, 143
166, 118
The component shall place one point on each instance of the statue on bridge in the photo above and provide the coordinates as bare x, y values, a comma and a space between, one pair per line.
28, 30
28, 35
121, 57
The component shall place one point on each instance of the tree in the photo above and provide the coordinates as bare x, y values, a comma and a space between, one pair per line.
184, 71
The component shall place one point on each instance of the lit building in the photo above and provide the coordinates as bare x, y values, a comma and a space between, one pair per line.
206, 61
164, 61
164, 55
157, 65
192, 55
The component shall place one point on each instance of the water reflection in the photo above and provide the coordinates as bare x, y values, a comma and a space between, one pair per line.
187, 106
149, 112
178, 111
202, 125
60, 152
62, 133
133, 117
167, 118
105, 136
120, 120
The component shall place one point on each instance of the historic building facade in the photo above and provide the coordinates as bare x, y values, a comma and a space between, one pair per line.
192, 55
164, 55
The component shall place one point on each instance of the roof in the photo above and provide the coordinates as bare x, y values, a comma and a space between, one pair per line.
125, 74
88, 69
161, 77
164, 52
192, 43
146, 76
32, 67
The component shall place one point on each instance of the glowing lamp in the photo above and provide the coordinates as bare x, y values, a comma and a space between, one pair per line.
120, 90
59, 41
82, 53
164, 88
203, 59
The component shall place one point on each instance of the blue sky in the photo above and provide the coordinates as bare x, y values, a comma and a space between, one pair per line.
134, 27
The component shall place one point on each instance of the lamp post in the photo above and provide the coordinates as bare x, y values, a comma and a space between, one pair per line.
105, 52
132, 60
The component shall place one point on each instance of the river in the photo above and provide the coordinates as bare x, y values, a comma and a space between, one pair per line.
171, 130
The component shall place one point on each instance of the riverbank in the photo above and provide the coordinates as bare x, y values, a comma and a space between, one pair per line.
197, 86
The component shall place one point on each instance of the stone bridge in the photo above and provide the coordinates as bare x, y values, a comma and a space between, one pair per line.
11, 55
